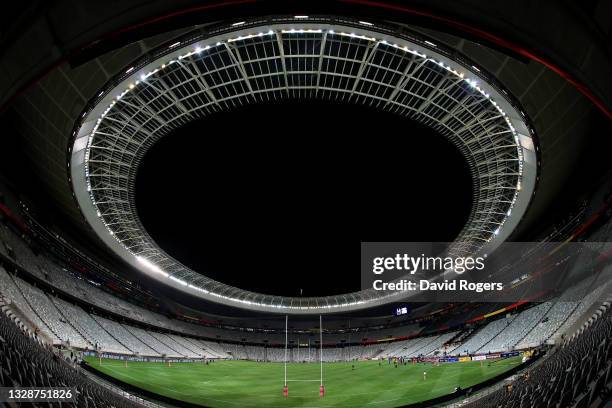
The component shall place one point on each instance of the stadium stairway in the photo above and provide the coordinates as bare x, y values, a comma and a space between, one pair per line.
437, 344
487, 330
560, 333
210, 347
33, 308
454, 342
12, 310
581, 321
424, 346
508, 322
128, 328
95, 318
379, 353
68, 321
165, 342
146, 337
150, 349
75, 326
197, 346
175, 345
465, 338
522, 323
460, 337
192, 348
542, 319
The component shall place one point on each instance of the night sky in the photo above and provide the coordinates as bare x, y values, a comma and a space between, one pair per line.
276, 198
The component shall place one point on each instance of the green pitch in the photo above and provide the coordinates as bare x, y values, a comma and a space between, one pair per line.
252, 384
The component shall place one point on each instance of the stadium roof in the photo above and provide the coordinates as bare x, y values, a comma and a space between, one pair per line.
352, 61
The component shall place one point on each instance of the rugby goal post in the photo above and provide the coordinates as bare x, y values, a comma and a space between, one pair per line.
320, 380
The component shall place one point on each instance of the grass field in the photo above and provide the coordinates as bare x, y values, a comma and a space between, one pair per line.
252, 384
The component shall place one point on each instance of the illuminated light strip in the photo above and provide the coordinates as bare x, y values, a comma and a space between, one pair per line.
198, 50
406, 49
353, 35
302, 31
248, 37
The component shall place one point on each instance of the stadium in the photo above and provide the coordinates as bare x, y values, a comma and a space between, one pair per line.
340, 203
